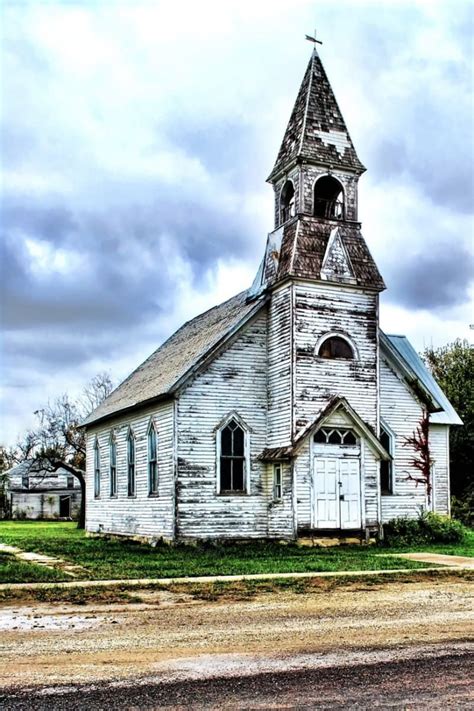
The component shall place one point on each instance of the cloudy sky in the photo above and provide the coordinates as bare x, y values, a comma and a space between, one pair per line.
136, 141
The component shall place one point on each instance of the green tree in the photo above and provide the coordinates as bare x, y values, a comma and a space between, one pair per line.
453, 368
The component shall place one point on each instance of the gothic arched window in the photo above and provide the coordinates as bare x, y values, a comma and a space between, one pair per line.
113, 464
287, 202
232, 458
131, 463
386, 468
336, 347
328, 198
96, 469
152, 460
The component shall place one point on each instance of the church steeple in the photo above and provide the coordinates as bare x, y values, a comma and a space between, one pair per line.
316, 132
317, 234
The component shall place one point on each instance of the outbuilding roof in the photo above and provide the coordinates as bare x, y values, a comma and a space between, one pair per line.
162, 373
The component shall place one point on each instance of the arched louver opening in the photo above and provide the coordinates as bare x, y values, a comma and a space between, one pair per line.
337, 348
287, 202
328, 198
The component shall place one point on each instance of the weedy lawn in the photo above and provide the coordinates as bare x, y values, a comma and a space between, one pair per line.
104, 559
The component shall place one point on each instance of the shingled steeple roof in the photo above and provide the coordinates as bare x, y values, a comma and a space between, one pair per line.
316, 132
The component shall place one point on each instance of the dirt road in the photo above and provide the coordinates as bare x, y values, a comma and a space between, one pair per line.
167, 645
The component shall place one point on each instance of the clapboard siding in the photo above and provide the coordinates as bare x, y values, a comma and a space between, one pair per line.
279, 367
235, 381
402, 412
321, 309
142, 515
439, 446
43, 505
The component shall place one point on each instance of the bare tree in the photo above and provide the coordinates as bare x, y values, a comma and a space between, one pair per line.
58, 441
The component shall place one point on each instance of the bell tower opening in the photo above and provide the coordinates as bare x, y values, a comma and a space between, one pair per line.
287, 201
328, 198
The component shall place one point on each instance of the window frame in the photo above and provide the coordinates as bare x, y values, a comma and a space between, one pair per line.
25, 481
277, 488
288, 211
97, 471
342, 191
389, 464
70, 481
245, 458
113, 482
152, 463
131, 464
335, 334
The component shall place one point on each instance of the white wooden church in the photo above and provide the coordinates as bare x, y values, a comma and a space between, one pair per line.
284, 411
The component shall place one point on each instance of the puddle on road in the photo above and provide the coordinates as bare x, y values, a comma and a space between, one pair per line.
12, 621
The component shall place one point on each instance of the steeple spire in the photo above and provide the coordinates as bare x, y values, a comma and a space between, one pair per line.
316, 132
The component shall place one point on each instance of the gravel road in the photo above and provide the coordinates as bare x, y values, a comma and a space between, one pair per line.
398, 645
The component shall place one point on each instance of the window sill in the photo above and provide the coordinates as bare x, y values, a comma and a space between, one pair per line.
131, 496
153, 495
113, 496
233, 493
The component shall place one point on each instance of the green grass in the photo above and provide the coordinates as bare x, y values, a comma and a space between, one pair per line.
105, 559
465, 548
13, 570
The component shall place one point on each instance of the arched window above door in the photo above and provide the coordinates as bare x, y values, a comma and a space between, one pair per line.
336, 347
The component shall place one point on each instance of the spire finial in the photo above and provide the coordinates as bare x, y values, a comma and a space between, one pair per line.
313, 39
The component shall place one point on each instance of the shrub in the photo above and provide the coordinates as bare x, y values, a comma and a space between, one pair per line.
427, 528
462, 508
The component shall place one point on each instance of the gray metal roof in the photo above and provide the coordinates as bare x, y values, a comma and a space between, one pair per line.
166, 368
448, 415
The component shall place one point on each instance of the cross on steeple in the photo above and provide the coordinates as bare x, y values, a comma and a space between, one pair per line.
313, 39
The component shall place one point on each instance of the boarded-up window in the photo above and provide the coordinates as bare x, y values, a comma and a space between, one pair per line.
232, 458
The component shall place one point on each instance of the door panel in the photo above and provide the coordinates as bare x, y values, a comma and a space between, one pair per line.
337, 492
349, 477
326, 493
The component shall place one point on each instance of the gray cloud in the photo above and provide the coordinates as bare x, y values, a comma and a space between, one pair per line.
134, 170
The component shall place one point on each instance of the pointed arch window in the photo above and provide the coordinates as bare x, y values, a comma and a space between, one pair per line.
287, 202
232, 458
152, 460
113, 465
336, 347
328, 199
96, 469
386, 468
131, 463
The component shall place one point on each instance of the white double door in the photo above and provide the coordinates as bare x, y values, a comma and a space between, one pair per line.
337, 492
